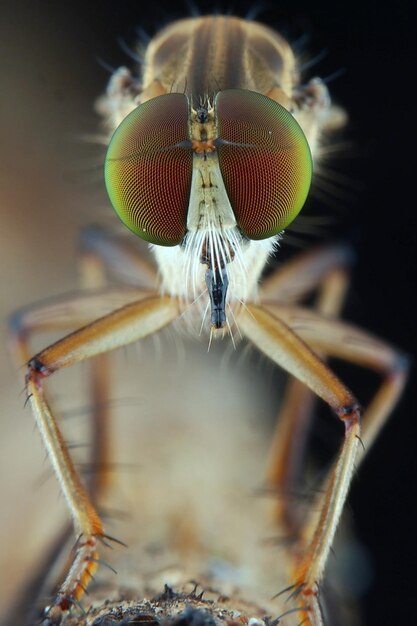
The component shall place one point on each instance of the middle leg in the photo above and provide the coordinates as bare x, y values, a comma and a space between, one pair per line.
324, 270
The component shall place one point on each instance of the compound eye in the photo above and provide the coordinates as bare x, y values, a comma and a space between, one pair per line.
148, 169
264, 159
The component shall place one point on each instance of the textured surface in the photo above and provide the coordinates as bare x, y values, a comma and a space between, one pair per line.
264, 159
148, 174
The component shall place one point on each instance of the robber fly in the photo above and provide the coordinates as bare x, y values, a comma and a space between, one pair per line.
211, 154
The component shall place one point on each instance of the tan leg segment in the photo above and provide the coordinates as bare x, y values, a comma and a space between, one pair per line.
100, 464
65, 314
286, 452
123, 326
342, 340
276, 340
98, 249
120, 258
304, 274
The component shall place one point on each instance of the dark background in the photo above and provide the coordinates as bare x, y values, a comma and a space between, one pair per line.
372, 43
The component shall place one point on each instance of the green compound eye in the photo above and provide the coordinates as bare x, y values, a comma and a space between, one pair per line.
148, 169
264, 159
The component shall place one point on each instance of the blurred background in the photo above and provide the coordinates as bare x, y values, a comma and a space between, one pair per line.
55, 60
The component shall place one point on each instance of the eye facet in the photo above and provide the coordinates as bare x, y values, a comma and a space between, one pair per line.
148, 169
264, 159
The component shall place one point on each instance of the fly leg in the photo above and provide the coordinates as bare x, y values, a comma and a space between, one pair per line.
101, 253
286, 335
121, 327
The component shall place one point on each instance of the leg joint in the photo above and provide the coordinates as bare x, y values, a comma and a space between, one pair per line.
37, 370
400, 365
350, 414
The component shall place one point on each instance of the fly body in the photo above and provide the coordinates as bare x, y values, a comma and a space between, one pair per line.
210, 159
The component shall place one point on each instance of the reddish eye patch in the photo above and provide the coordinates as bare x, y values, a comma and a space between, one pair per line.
264, 159
148, 169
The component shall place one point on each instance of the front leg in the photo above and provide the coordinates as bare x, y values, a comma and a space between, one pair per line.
123, 326
273, 330
277, 341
